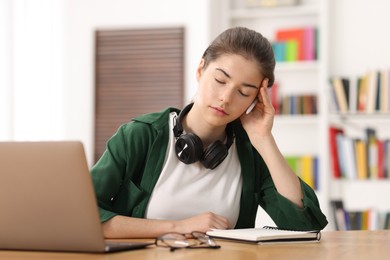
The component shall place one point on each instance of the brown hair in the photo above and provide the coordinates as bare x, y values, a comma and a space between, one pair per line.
247, 43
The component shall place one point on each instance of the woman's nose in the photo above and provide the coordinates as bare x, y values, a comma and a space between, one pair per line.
226, 95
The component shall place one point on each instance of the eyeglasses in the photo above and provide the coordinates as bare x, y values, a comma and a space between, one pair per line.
176, 241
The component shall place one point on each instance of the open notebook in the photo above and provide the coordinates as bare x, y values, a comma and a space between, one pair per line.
48, 201
266, 234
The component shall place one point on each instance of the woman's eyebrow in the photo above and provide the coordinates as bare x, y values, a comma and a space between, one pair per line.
224, 72
244, 84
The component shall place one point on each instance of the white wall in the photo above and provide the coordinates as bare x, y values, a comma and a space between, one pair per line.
5, 71
85, 16
359, 36
30, 69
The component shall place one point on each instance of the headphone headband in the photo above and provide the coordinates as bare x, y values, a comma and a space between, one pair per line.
178, 128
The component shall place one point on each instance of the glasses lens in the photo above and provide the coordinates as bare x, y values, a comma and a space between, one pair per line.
176, 240
173, 240
203, 238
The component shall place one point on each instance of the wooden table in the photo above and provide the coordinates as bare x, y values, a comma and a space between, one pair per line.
334, 245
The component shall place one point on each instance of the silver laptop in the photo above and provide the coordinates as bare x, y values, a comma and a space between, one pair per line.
47, 200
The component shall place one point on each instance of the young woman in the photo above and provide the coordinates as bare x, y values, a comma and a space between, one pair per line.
211, 164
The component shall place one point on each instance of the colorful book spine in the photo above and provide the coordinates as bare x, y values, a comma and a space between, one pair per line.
309, 43
372, 153
381, 163
349, 157
295, 37
296, 44
341, 154
385, 91
341, 94
371, 93
359, 159
306, 167
275, 99
362, 94
292, 50
307, 173
298, 105
366, 219
334, 152
279, 49
339, 214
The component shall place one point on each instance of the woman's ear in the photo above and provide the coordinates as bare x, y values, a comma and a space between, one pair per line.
200, 68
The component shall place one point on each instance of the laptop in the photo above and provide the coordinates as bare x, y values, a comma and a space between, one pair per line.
47, 200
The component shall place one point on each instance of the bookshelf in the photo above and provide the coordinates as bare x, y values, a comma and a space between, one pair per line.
295, 78
312, 77
345, 43
367, 195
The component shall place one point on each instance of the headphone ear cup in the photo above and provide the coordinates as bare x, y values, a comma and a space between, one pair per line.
214, 155
189, 148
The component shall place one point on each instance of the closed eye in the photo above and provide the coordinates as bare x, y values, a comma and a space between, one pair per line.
243, 94
219, 81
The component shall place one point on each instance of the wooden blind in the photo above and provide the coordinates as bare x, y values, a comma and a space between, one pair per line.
137, 72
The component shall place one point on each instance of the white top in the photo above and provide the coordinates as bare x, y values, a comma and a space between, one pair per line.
185, 190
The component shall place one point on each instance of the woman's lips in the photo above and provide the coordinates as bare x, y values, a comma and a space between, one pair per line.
219, 111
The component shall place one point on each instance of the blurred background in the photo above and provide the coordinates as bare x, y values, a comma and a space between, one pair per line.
77, 69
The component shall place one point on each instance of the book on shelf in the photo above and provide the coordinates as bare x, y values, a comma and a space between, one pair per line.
355, 220
291, 52
340, 87
366, 219
311, 105
385, 91
361, 96
279, 51
274, 96
316, 173
333, 104
361, 159
305, 104
295, 35
340, 216
295, 44
378, 92
310, 46
266, 235
372, 153
333, 131
306, 168
371, 91
349, 157
370, 94
357, 158
386, 159
340, 155
347, 89
377, 89
386, 222
381, 163
285, 106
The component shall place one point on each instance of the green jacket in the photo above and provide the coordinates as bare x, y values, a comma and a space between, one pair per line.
127, 172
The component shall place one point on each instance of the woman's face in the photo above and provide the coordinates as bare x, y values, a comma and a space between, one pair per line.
227, 87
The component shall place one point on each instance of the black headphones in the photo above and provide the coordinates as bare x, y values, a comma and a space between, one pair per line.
189, 147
